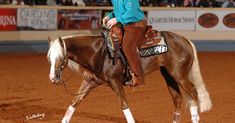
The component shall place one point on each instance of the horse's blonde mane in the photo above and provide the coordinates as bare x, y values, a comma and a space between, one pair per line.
55, 49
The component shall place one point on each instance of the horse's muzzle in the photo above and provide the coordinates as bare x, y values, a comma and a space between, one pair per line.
56, 80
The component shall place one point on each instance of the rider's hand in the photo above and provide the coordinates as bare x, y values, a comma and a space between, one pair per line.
105, 19
111, 23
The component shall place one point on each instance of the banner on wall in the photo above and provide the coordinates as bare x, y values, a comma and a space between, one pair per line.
215, 20
172, 20
8, 19
79, 19
36, 19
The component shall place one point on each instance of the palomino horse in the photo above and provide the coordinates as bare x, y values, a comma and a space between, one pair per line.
89, 55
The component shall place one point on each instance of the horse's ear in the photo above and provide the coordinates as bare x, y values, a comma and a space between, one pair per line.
61, 42
49, 39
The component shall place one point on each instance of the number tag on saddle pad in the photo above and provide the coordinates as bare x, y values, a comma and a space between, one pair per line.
154, 48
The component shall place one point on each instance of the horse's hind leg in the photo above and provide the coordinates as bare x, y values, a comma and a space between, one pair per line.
175, 93
181, 75
192, 98
85, 88
118, 88
191, 95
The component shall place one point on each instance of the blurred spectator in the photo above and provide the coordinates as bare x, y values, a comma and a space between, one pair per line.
16, 2
78, 3
154, 2
67, 2
187, 3
145, 2
35, 2
40, 2
3, 2
190, 3
51, 2
214, 3
203, 3
29, 2
228, 3
163, 3
58, 2
149, 2
175, 3
220, 2
207, 3
97, 2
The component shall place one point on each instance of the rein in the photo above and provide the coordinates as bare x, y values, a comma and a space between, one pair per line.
66, 89
64, 83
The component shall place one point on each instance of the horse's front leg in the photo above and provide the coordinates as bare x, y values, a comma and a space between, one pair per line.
85, 88
118, 88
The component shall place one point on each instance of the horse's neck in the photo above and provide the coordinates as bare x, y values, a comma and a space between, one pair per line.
89, 51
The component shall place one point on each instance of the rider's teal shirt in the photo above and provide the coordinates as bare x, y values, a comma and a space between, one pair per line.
126, 11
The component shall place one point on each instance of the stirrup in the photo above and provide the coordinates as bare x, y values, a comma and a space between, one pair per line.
131, 83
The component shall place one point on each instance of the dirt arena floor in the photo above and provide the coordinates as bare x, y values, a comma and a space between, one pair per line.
25, 92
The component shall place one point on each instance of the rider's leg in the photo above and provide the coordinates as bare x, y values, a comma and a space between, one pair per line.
132, 36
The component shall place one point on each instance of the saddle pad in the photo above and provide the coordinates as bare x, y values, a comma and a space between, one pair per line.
161, 47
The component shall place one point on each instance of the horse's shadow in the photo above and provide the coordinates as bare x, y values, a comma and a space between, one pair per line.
106, 117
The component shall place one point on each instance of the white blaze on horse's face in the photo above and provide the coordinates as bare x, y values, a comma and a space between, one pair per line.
56, 58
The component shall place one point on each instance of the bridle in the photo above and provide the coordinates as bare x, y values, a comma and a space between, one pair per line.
65, 61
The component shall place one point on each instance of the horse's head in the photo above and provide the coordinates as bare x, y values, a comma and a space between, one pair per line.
57, 57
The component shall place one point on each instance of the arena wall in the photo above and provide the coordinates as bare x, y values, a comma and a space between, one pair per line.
36, 41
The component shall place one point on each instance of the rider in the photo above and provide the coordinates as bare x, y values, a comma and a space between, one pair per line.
129, 14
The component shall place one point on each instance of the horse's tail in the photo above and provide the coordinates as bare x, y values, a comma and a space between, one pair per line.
196, 78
